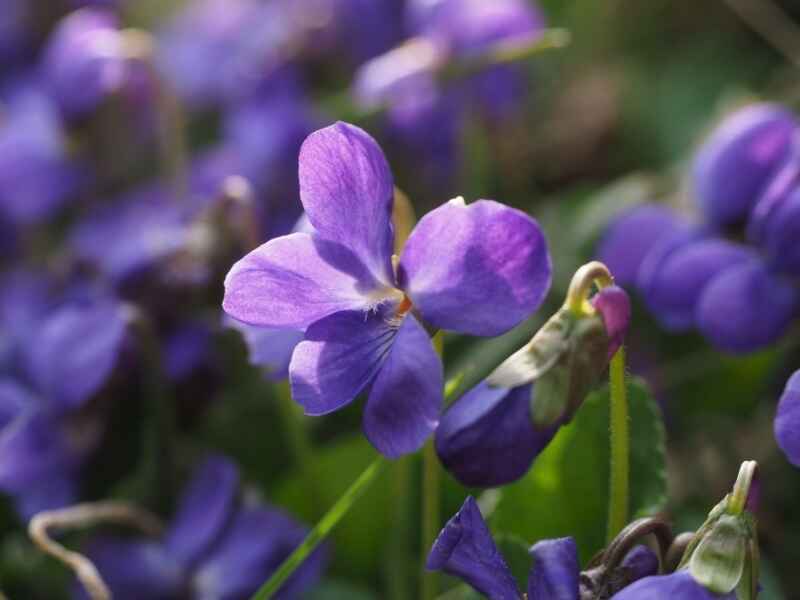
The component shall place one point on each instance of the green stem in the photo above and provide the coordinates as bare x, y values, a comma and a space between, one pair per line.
322, 529
620, 447
431, 501
399, 555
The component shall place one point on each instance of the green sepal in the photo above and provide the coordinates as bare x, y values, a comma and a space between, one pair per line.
718, 562
566, 359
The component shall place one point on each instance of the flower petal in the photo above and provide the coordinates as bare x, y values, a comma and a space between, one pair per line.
56, 490
295, 280
640, 562
134, 570
669, 587
631, 236
683, 275
478, 269
76, 350
338, 358
555, 570
614, 307
347, 192
405, 401
487, 439
746, 308
465, 549
787, 421
255, 544
205, 509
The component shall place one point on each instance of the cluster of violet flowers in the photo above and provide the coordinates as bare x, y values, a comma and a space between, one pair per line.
116, 231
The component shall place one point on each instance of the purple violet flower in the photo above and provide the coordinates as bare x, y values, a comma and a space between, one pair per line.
733, 166
477, 269
465, 549
787, 420
215, 547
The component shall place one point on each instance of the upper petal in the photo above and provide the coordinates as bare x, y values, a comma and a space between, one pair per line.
479, 268
205, 509
465, 549
555, 571
787, 421
134, 570
746, 308
338, 358
680, 584
270, 349
405, 401
294, 280
347, 192
487, 438
76, 350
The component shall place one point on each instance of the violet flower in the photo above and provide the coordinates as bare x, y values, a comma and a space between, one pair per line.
787, 420
488, 437
465, 549
60, 358
37, 175
216, 546
477, 269
85, 61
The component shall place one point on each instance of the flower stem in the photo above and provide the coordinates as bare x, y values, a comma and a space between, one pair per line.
322, 529
620, 447
431, 501
400, 554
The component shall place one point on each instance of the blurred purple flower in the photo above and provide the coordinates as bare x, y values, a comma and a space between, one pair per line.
465, 549
734, 165
488, 438
85, 61
787, 420
143, 229
423, 114
63, 354
477, 269
680, 584
36, 174
215, 547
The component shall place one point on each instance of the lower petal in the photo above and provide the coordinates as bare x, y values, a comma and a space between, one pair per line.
555, 571
339, 356
405, 401
680, 584
487, 439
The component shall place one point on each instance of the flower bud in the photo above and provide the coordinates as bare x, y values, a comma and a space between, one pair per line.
734, 164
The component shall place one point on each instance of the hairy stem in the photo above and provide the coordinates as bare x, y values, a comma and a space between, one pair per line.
620, 447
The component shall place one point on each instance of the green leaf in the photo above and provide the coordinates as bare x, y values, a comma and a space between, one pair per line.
515, 550
566, 491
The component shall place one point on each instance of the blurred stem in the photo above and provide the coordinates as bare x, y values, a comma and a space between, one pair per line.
399, 555
431, 500
140, 47
322, 529
620, 447
155, 467
299, 443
